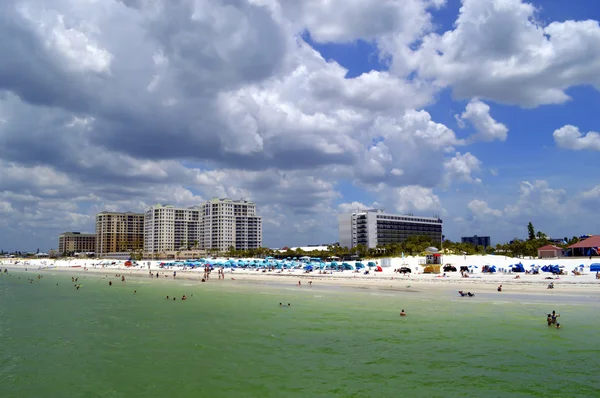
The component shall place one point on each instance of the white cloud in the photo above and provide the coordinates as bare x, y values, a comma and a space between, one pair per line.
416, 199
349, 20
537, 198
482, 211
75, 45
225, 98
569, 137
461, 168
355, 206
590, 200
499, 51
478, 113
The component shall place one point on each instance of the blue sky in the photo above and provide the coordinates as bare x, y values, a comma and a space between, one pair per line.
482, 111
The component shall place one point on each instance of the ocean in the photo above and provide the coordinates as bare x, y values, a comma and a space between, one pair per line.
232, 339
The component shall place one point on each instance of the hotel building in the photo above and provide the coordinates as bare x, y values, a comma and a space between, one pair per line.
217, 224
168, 228
476, 240
76, 242
119, 232
376, 227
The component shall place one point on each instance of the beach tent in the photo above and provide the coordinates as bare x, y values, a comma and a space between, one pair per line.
379, 269
517, 268
595, 267
128, 263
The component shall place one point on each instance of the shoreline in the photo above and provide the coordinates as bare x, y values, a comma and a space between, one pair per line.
424, 283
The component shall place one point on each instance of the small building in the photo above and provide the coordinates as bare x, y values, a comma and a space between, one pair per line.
587, 247
550, 251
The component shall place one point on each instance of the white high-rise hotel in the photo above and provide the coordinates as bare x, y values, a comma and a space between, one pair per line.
216, 224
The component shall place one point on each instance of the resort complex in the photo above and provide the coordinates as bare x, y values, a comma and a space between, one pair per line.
218, 224
374, 227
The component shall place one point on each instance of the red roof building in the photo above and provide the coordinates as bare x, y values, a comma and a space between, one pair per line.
550, 251
587, 247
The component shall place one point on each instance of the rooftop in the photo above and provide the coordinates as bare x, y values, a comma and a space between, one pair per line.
549, 247
593, 241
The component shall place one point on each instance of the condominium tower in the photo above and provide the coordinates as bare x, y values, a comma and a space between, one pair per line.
119, 232
216, 224
376, 227
168, 228
76, 242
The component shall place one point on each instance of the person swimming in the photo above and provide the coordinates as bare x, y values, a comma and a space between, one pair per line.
558, 325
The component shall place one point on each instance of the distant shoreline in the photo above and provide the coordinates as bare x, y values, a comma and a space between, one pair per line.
388, 280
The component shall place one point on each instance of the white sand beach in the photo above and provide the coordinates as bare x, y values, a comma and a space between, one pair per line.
476, 281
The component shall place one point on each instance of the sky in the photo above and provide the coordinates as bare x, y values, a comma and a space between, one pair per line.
483, 112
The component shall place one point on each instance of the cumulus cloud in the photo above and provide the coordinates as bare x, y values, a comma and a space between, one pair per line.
499, 50
482, 210
569, 137
355, 206
227, 98
414, 198
461, 168
552, 210
487, 129
349, 20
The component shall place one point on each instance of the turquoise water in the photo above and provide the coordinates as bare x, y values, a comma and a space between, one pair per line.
231, 339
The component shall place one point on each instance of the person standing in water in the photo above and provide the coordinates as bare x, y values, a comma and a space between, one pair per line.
402, 313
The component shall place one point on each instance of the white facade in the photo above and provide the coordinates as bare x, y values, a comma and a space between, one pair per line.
169, 228
216, 224
375, 227
228, 223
